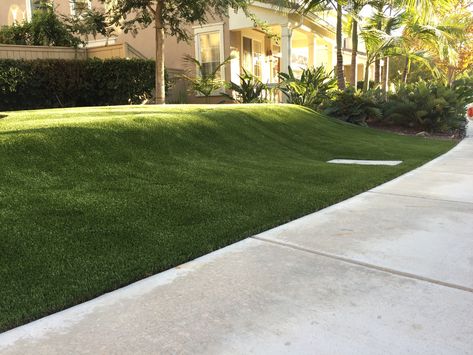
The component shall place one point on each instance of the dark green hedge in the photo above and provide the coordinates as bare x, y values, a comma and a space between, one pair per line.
69, 83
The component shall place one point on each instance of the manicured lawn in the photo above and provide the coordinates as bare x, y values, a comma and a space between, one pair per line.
93, 199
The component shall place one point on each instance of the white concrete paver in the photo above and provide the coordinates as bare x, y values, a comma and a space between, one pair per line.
427, 238
387, 272
365, 162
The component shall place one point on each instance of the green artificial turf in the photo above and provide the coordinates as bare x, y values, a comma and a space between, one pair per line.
92, 199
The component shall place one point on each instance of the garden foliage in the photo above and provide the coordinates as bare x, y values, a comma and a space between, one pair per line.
311, 89
354, 106
250, 89
430, 106
69, 83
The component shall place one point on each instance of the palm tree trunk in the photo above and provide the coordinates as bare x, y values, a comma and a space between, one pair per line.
385, 77
377, 71
340, 75
451, 74
407, 67
377, 63
366, 82
159, 36
354, 53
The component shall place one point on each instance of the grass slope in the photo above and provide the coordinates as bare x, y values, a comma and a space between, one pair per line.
93, 199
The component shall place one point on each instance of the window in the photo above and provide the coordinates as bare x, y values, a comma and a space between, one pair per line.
79, 6
33, 5
209, 44
257, 59
253, 56
209, 47
247, 54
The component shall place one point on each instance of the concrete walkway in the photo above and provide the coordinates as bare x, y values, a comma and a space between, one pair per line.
387, 272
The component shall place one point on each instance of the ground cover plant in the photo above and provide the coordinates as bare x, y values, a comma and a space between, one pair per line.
92, 199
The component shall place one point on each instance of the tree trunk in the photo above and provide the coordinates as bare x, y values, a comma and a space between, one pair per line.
377, 63
159, 85
340, 75
377, 71
407, 68
385, 80
354, 53
450, 74
366, 82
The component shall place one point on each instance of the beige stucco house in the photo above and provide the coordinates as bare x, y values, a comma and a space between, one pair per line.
288, 40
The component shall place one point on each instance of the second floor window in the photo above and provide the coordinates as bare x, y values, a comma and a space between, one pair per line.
79, 6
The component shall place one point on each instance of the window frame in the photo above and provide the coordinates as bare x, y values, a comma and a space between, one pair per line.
205, 29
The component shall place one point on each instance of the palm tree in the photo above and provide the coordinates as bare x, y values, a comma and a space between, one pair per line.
392, 15
354, 8
340, 68
422, 42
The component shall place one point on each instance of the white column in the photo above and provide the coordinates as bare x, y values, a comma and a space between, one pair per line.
28, 10
286, 39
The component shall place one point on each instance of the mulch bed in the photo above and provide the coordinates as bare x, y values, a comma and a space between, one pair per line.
408, 131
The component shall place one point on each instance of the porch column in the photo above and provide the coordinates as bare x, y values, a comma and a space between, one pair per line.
28, 10
286, 37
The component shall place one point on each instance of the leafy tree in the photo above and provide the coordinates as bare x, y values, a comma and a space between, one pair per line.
170, 18
87, 22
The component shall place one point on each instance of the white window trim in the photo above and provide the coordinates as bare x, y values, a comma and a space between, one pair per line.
29, 7
211, 27
73, 8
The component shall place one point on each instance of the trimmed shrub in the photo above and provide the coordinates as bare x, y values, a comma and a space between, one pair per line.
69, 83
433, 107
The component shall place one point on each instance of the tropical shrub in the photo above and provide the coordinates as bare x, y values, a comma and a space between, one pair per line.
310, 90
250, 90
207, 80
354, 106
69, 83
463, 87
433, 107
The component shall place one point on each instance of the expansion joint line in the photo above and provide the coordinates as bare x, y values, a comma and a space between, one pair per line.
367, 265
